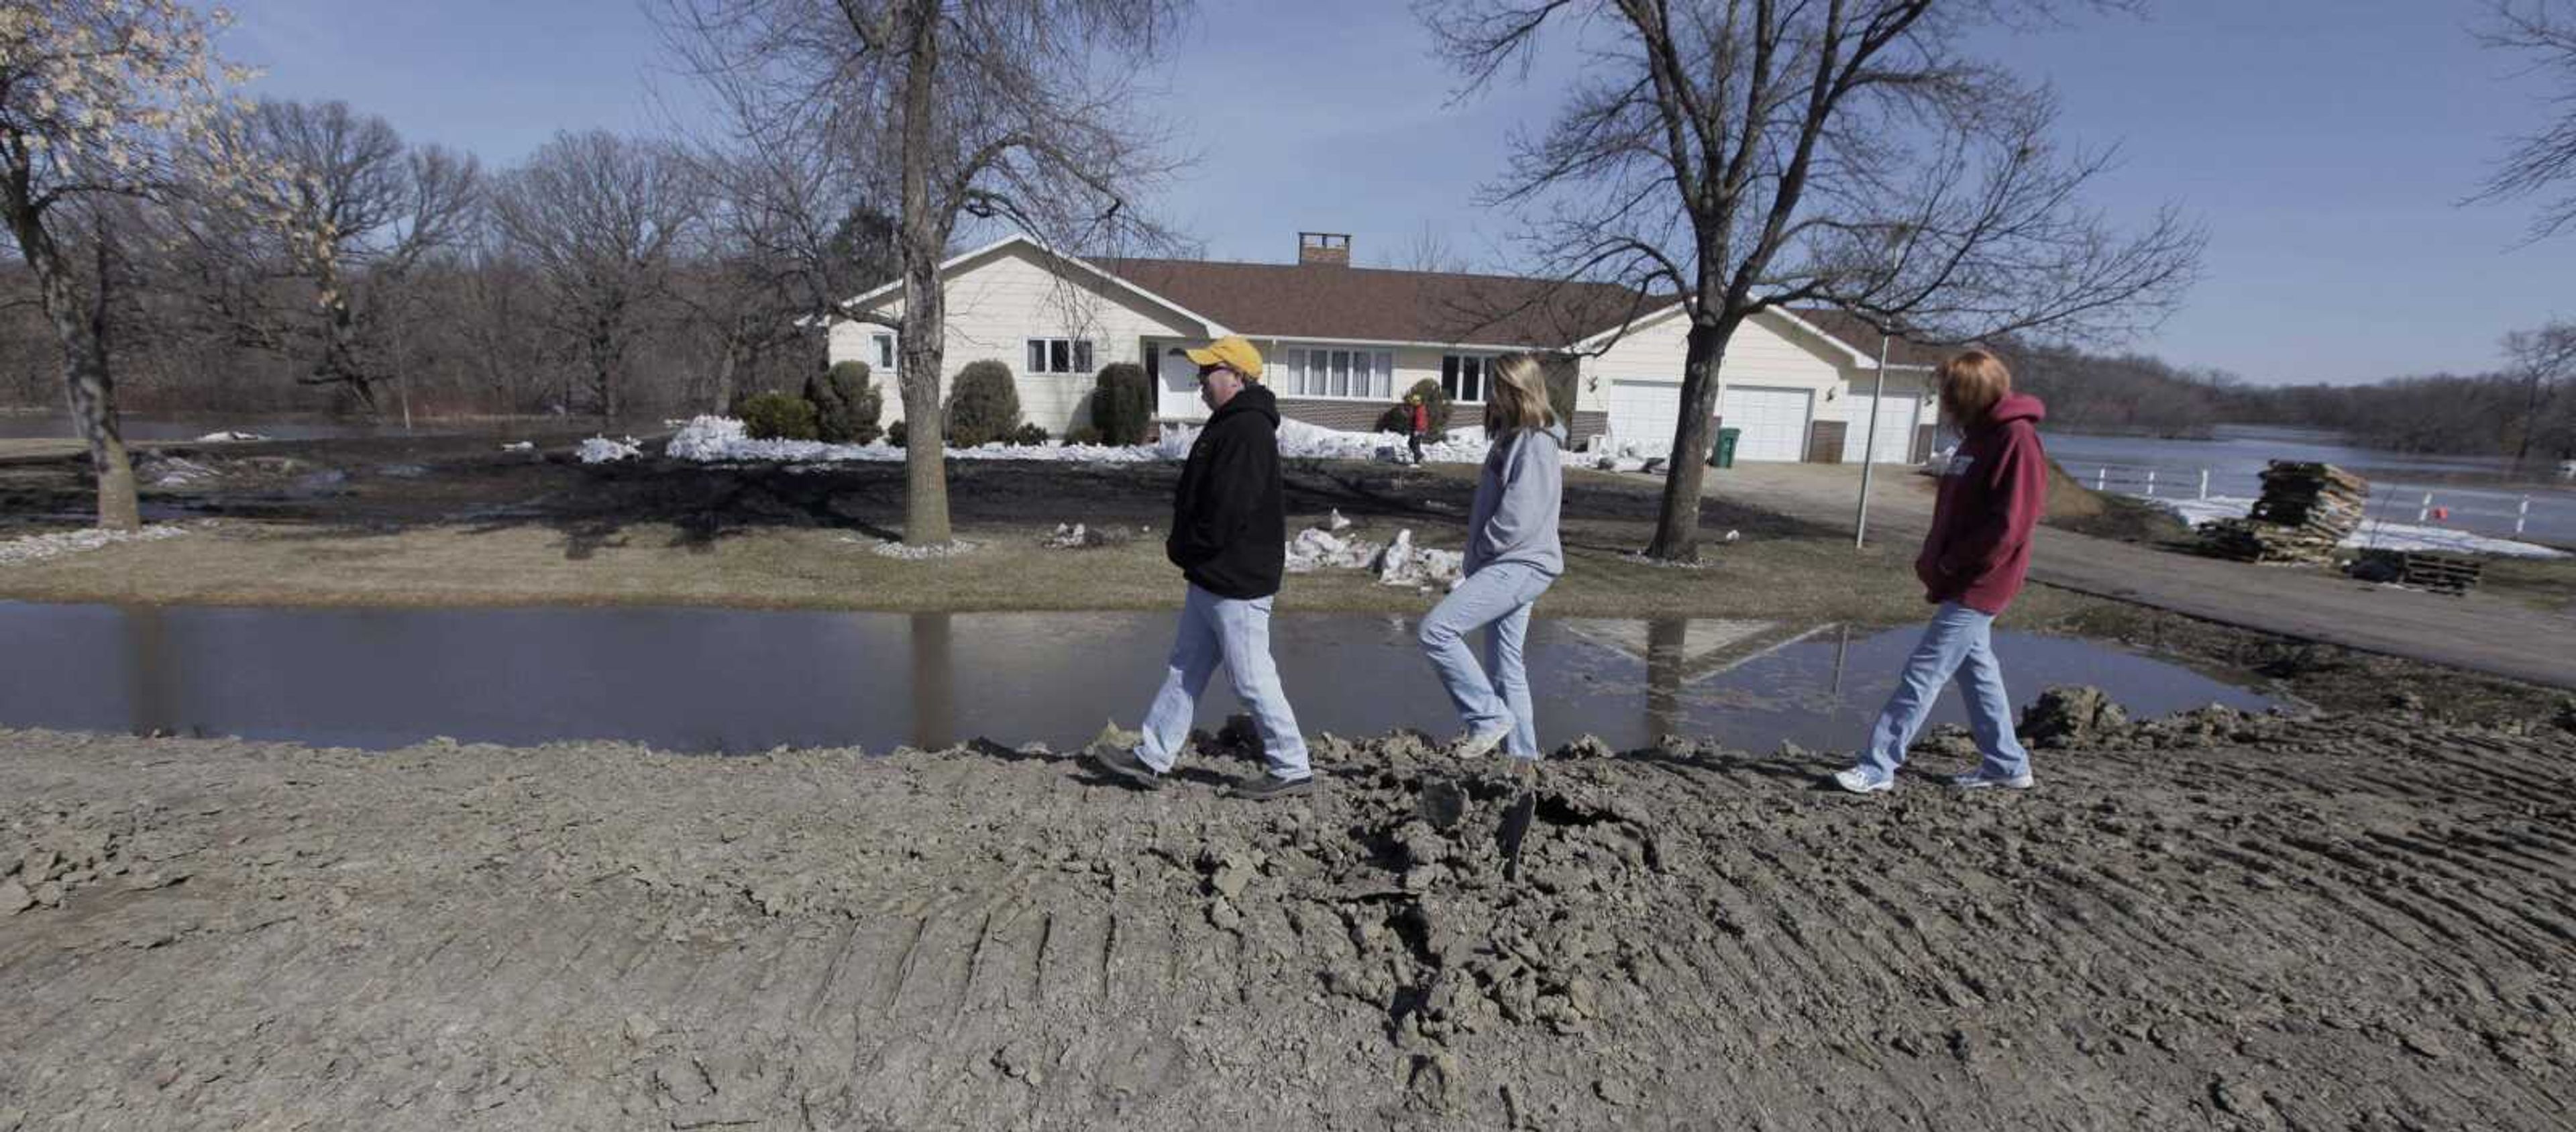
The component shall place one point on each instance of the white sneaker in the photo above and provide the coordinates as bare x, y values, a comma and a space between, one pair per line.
1863, 780
1980, 780
1479, 745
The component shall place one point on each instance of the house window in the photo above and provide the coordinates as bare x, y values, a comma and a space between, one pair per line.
1059, 355
881, 352
1462, 376
1335, 371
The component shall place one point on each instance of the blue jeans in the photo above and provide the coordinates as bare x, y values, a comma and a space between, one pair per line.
1216, 630
1959, 640
1499, 596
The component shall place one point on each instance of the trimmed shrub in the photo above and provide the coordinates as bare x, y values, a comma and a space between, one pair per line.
1122, 403
1397, 419
846, 404
894, 434
777, 416
985, 405
1029, 436
1083, 434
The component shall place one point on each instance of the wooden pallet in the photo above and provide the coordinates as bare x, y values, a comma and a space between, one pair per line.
2422, 569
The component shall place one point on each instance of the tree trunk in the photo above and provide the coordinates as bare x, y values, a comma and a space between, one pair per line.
82, 330
1677, 521
93, 402
724, 380
925, 239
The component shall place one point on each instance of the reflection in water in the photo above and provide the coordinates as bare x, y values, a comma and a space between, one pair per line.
1667, 653
733, 680
934, 682
151, 686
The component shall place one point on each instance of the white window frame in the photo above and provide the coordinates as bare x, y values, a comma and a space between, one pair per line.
1040, 354
1484, 374
1317, 372
881, 351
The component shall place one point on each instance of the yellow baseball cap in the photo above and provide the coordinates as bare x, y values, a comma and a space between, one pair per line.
1232, 352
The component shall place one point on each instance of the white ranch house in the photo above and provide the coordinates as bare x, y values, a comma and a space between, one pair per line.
1342, 344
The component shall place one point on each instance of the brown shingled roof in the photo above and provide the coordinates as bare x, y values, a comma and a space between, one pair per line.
1852, 331
1373, 304
1290, 300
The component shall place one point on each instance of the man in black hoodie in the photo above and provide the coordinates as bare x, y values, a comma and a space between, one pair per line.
1230, 538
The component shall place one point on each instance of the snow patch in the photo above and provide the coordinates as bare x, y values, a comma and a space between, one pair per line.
1396, 563
721, 439
229, 435
602, 450
37, 548
911, 553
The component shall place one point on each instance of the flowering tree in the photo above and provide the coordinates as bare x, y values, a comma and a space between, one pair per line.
99, 99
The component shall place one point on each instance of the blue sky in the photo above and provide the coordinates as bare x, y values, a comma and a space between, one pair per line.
2325, 143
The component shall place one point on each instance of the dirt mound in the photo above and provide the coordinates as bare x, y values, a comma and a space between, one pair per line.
2071, 716
2220, 919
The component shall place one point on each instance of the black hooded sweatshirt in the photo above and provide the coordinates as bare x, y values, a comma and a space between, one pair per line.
1229, 518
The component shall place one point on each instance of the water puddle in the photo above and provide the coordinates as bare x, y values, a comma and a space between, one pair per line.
733, 680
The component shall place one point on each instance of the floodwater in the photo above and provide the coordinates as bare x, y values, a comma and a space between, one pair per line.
731, 681
2484, 493
148, 426
300, 426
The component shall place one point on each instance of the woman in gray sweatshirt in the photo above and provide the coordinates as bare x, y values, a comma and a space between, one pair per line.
1512, 557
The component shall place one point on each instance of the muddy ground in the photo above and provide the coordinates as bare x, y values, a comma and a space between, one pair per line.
2349, 921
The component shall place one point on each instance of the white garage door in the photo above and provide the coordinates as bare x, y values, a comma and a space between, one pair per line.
1896, 421
1774, 421
1642, 412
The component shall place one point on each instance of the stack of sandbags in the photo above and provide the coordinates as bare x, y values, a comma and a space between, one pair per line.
2306, 511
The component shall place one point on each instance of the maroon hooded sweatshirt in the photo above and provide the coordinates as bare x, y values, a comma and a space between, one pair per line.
1991, 495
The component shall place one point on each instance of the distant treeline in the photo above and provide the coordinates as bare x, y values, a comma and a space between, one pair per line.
2525, 411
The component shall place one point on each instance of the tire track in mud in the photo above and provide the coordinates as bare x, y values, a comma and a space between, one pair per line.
2213, 921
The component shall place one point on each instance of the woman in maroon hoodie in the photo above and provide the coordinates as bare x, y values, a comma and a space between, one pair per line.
1971, 566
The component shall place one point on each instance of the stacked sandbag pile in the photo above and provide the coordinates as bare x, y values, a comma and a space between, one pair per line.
2306, 511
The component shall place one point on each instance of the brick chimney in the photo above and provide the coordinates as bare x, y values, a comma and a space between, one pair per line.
1324, 247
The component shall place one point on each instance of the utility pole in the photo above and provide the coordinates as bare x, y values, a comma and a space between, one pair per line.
1869, 446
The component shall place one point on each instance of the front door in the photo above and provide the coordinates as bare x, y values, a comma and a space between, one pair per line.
1176, 382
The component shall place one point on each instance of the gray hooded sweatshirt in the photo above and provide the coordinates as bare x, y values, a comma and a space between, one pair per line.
1517, 496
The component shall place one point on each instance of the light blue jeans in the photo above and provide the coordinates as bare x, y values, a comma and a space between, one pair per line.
1959, 640
1498, 596
1217, 630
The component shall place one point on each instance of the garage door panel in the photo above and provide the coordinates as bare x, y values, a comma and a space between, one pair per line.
1896, 420
1642, 412
1773, 421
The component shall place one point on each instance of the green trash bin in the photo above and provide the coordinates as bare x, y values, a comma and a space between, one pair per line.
1723, 456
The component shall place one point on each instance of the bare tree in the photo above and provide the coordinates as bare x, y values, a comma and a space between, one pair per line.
2541, 363
962, 112
311, 256
99, 99
779, 250
2544, 31
1430, 249
1749, 154
601, 218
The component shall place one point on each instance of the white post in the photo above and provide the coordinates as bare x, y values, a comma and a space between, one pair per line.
2424, 513
1869, 446
2151, 483
2101, 478
2204, 483
2521, 515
